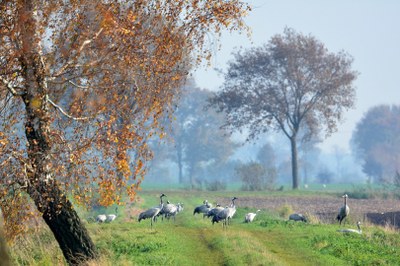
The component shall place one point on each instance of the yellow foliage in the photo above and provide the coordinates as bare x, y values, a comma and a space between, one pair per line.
36, 103
115, 72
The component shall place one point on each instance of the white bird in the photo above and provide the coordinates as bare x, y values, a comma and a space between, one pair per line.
344, 210
101, 218
112, 217
152, 212
357, 231
250, 216
297, 217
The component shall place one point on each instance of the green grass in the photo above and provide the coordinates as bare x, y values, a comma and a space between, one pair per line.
192, 240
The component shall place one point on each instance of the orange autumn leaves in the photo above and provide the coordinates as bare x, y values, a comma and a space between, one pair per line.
112, 72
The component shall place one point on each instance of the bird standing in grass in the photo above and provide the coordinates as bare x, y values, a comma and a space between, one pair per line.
250, 216
226, 214
169, 210
231, 209
152, 212
214, 211
203, 208
344, 210
357, 231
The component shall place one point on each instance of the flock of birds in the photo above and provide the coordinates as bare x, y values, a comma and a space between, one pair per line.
165, 211
219, 214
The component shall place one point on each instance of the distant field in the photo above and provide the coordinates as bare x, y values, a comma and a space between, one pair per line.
192, 240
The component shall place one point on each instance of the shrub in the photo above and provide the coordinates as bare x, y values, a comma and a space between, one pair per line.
216, 185
285, 210
254, 176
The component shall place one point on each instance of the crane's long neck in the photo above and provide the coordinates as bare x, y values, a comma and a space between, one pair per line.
161, 201
345, 201
233, 203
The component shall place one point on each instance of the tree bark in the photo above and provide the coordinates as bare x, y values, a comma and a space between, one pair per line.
71, 235
295, 171
42, 187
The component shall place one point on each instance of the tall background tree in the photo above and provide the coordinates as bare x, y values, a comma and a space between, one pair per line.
199, 147
267, 158
201, 140
288, 85
376, 142
83, 86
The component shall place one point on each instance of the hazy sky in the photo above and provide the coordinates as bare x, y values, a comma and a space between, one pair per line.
369, 30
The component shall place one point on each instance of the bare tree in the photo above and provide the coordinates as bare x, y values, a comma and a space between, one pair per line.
290, 84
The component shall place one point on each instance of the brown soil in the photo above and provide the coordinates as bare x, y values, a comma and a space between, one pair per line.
378, 211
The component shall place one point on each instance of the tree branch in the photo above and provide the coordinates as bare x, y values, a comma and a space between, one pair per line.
77, 85
10, 88
63, 112
79, 51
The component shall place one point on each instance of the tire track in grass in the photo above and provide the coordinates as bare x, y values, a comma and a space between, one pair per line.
194, 237
198, 243
231, 246
283, 249
213, 245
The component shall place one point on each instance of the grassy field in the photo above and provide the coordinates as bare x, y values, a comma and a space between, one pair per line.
192, 240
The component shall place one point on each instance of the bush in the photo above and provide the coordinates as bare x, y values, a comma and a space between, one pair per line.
216, 185
254, 176
284, 211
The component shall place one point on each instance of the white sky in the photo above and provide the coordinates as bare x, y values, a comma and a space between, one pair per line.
369, 30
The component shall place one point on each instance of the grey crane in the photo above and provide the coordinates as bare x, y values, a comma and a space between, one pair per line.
203, 208
231, 209
297, 217
152, 212
179, 207
357, 231
226, 214
214, 210
344, 210
249, 217
169, 210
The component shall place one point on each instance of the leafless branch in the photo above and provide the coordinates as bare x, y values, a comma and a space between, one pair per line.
63, 112
77, 85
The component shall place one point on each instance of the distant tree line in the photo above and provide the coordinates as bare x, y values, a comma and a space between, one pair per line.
291, 87
376, 143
